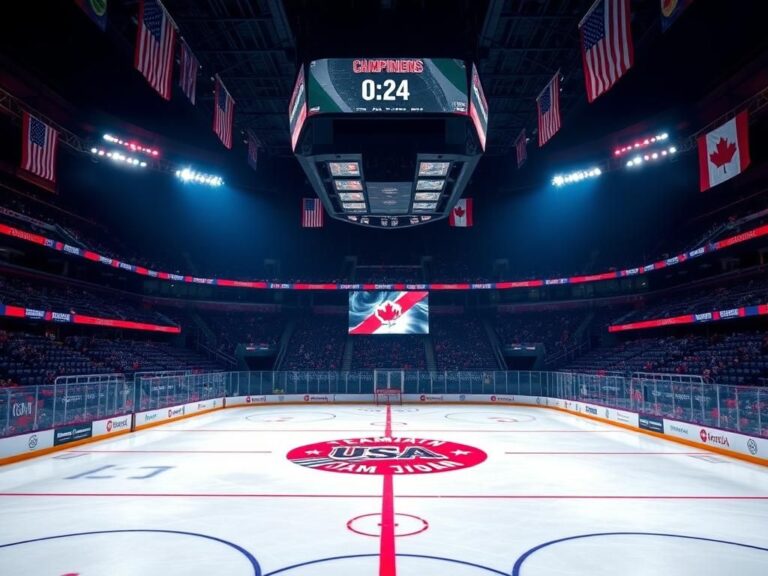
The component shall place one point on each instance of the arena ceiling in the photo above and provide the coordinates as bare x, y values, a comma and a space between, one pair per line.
518, 45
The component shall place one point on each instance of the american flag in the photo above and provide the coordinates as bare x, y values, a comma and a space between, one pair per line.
38, 154
223, 112
548, 104
606, 45
154, 46
253, 150
520, 148
188, 67
311, 213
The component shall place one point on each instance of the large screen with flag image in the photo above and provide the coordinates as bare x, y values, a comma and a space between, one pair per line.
384, 312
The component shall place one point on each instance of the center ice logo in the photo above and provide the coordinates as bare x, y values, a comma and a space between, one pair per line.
386, 455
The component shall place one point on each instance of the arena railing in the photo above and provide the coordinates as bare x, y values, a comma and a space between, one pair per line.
87, 398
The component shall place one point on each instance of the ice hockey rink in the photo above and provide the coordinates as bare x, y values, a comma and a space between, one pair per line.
363, 490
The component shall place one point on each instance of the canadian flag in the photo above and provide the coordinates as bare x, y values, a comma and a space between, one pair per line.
724, 152
461, 215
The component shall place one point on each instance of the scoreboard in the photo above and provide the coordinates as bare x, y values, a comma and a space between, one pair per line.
297, 108
353, 85
388, 142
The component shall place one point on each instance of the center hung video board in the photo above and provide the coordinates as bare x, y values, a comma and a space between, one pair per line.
406, 85
385, 312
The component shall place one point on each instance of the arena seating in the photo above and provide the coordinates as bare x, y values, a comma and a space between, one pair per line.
733, 295
461, 343
129, 356
403, 352
317, 343
737, 358
30, 359
244, 327
29, 293
555, 329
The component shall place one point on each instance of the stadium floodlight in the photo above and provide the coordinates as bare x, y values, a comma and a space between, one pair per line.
577, 176
188, 175
119, 157
414, 220
352, 218
651, 157
640, 144
395, 221
132, 145
365, 220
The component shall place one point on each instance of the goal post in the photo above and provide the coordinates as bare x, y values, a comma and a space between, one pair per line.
388, 386
385, 396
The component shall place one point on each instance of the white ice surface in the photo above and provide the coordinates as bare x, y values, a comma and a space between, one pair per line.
186, 495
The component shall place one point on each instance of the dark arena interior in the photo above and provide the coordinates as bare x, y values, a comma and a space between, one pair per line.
270, 268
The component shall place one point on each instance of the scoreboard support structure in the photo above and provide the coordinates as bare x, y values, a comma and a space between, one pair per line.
388, 143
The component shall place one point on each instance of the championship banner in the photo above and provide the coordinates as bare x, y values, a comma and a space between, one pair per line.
389, 312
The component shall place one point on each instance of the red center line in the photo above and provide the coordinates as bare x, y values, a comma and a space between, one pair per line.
370, 496
170, 451
612, 453
387, 555
332, 430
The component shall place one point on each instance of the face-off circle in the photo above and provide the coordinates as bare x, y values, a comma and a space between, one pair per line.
370, 525
395, 409
383, 455
382, 424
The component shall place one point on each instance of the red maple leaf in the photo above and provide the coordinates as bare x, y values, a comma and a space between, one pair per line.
459, 211
388, 313
723, 153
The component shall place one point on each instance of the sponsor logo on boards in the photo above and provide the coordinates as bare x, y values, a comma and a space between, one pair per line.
709, 438
752, 446
622, 416
590, 410
72, 433
116, 424
32, 443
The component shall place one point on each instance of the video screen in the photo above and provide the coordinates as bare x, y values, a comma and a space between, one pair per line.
478, 108
403, 85
385, 312
297, 109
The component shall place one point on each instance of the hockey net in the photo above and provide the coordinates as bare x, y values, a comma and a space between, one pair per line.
384, 396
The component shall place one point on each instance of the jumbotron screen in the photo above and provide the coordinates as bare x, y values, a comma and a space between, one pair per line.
297, 108
383, 312
349, 85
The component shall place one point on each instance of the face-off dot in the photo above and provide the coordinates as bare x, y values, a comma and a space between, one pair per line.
370, 525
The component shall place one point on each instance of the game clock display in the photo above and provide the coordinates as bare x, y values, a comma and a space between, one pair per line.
350, 85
